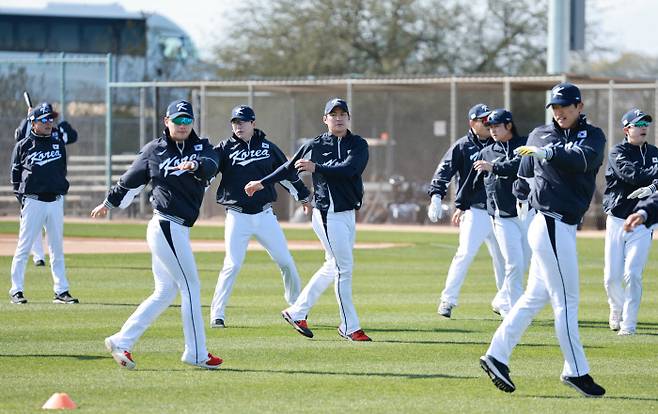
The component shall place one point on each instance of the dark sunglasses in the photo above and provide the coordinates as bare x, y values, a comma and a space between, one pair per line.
46, 120
182, 120
640, 124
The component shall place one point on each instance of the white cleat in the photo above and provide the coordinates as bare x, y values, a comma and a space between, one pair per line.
614, 321
121, 356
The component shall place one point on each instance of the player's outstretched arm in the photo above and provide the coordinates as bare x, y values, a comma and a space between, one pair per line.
99, 211
633, 221
252, 187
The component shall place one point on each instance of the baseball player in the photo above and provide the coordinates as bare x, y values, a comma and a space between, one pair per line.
495, 169
568, 153
69, 136
179, 166
336, 161
248, 155
38, 174
473, 221
632, 164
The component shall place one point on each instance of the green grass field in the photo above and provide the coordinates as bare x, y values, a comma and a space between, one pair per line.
418, 362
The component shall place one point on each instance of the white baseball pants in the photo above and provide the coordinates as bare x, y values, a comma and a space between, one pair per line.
626, 254
553, 278
238, 229
174, 270
35, 215
511, 235
474, 229
337, 232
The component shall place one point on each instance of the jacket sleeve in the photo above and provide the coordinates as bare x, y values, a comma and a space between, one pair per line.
650, 206
524, 178
472, 184
629, 172
446, 169
354, 164
130, 184
292, 183
586, 154
208, 162
287, 167
67, 133
16, 168
506, 167
21, 131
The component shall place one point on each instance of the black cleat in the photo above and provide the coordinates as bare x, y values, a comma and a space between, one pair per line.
498, 372
18, 298
585, 385
39, 263
217, 323
65, 297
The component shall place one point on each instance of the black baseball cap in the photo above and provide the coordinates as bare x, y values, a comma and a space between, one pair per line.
178, 108
42, 110
633, 116
335, 102
498, 116
564, 94
478, 111
243, 113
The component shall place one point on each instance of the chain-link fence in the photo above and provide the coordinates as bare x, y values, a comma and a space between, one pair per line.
409, 122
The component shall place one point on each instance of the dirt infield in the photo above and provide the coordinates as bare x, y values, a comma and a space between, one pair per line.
92, 245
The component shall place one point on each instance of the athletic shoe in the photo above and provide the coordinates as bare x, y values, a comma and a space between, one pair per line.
213, 362
121, 356
300, 326
356, 336
626, 332
39, 263
217, 323
65, 297
498, 372
445, 308
18, 298
614, 321
584, 385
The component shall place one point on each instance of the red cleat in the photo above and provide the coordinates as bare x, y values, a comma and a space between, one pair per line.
357, 336
300, 326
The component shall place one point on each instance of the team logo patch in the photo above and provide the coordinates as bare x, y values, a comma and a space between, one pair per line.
582, 134
265, 145
198, 147
55, 146
654, 159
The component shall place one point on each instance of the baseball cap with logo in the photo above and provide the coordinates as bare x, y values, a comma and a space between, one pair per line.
498, 116
335, 103
633, 116
564, 94
243, 113
42, 110
478, 111
178, 108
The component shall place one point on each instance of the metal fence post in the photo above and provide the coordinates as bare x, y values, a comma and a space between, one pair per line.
142, 141
108, 124
611, 114
62, 86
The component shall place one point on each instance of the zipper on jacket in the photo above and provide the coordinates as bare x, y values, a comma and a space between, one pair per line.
338, 147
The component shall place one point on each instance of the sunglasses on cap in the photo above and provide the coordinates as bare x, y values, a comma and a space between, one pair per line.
182, 120
46, 120
640, 124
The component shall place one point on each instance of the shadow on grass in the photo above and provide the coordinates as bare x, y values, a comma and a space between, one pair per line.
605, 397
437, 330
79, 357
350, 374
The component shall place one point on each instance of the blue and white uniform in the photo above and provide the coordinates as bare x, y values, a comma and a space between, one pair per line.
509, 231
563, 186
475, 226
176, 198
239, 163
38, 175
629, 168
338, 193
65, 131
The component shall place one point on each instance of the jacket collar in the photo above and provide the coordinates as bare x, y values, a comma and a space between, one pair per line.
165, 139
258, 136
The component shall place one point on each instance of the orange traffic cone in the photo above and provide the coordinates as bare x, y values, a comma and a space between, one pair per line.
59, 401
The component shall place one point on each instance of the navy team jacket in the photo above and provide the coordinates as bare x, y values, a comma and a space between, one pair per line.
339, 164
564, 185
177, 195
501, 202
241, 162
629, 168
459, 160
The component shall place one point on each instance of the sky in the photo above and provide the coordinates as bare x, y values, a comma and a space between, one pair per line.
630, 26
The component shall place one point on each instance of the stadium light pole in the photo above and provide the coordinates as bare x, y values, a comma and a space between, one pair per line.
558, 36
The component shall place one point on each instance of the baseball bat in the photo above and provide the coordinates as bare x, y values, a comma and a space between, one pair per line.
28, 100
